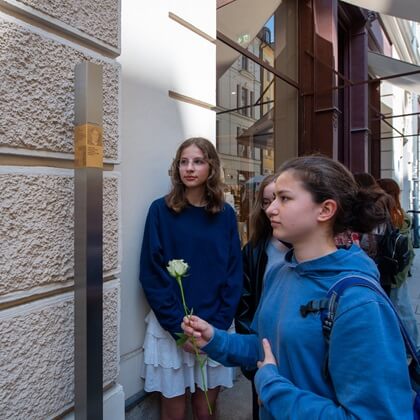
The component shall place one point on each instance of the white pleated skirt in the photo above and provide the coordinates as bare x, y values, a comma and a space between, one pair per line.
170, 370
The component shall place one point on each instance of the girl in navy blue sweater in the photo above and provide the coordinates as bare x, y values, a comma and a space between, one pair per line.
192, 223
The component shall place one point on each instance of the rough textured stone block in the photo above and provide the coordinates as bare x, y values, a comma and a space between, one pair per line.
111, 223
99, 19
36, 355
37, 227
37, 92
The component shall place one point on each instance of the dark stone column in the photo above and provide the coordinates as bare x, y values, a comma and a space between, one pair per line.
375, 129
318, 106
359, 131
286, 108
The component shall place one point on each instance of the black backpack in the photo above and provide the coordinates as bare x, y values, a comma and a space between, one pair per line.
392, 254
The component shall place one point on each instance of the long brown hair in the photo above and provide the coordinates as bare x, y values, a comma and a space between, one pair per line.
176, 198
392, 188
259, 224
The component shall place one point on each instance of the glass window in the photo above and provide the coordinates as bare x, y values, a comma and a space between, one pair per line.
254, 105
244, 63
244, 101
238, 96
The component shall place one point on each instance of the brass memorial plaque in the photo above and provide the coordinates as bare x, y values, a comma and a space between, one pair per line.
88, 147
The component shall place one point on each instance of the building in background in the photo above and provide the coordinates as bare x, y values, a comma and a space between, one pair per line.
292, 76
343, 81
245, 98
400, 106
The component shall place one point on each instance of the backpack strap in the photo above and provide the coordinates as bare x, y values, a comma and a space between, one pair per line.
328, 308
314, 306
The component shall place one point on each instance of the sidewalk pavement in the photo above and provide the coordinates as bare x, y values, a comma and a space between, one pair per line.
233, 404
413, 284
236, 403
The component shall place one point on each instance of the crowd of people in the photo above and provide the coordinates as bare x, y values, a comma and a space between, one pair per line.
312, 223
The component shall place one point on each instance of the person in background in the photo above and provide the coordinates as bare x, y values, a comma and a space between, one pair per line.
259, 255
394, 285
317, 198
399, 290
370, 241
367, 241
192, 223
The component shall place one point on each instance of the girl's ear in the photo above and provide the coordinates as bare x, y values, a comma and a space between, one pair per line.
327, 210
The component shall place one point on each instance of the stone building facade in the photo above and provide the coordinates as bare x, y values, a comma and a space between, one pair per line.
40, 44
159, 63
155, 96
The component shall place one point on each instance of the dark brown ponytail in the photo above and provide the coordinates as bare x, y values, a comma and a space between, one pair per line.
359, 210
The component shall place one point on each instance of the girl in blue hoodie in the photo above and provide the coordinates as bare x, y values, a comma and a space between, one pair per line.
317, 198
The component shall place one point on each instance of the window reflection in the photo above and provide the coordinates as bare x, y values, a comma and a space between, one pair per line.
244, 131
256, 110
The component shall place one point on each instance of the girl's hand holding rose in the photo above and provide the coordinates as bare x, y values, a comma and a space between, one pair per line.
196, 327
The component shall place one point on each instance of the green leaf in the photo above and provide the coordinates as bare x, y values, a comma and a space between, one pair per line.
182, 339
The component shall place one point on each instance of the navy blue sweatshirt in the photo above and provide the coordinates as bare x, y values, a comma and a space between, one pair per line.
209, 243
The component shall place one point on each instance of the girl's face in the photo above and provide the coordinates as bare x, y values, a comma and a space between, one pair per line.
293, 214
193, 168
269, 195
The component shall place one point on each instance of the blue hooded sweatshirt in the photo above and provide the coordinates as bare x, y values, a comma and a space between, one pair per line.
367, 360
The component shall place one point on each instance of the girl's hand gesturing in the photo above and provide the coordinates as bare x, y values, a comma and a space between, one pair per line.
269, 358
200, 330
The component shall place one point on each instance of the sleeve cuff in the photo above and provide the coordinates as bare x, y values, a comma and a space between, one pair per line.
215, 342
263, 375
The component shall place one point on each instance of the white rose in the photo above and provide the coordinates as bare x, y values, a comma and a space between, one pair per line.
177, 268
